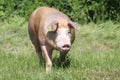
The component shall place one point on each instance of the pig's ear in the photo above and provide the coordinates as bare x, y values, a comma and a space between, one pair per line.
53, 26
73, 25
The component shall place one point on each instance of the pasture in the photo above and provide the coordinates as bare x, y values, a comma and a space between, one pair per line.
95, 54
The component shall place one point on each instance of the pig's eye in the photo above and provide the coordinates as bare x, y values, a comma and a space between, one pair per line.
69, 33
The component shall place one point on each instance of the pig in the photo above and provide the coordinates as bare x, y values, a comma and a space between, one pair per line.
49, 29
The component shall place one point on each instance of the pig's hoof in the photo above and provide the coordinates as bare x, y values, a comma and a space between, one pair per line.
48, 68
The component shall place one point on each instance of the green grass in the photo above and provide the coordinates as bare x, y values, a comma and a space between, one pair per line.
95, 54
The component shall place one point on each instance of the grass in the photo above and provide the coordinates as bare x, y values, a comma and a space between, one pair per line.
95, 54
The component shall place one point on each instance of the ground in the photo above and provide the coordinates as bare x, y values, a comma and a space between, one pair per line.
95, 54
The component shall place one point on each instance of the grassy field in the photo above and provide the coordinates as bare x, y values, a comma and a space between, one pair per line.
95, 54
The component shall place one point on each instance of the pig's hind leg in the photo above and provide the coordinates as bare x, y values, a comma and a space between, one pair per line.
36, 44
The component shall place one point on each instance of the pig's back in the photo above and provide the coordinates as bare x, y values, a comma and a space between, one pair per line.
42, 16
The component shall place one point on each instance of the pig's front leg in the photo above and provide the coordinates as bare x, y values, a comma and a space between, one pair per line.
62, 56
47, 53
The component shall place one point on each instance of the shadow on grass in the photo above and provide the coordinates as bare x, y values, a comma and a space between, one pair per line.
41, 62
57, 63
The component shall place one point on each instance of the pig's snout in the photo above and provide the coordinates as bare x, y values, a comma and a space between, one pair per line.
63, 40
66, 47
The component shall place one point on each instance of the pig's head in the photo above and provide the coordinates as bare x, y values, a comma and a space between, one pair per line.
63, 34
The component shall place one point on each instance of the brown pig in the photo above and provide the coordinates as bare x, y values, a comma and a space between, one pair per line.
51, 29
